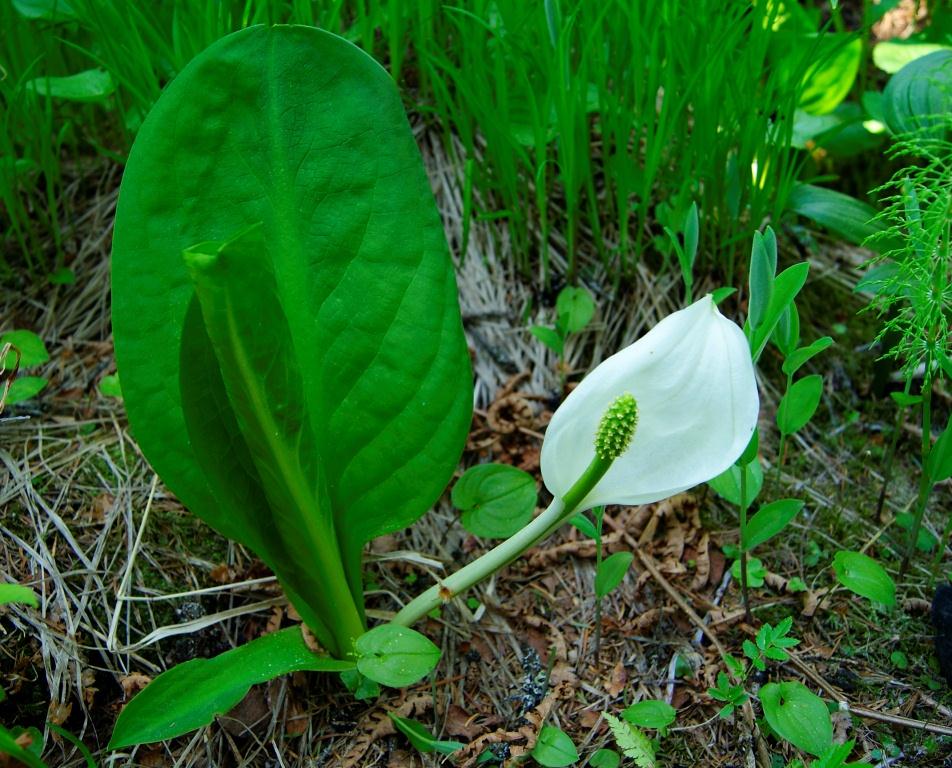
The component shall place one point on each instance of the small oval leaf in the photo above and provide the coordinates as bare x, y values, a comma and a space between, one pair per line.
798, 358
24, 388
799, 403
861, 574
605, 758
17, 593
32, 350
770, 520
575, 308
496, 499
554, 748
395, 656
611, 571
650, 714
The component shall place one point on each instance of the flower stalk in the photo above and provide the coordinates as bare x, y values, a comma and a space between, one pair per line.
614, 435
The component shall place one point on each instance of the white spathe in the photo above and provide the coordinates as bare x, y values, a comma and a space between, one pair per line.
693, 379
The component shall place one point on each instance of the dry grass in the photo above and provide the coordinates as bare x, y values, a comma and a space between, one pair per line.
130, 582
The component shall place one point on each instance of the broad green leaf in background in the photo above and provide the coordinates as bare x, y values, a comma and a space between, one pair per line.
395, 656
292, 142
47, 10
841, 214
799, 403
800, 357
93, 85
879, 279
554, 748
719, 294
575, 309
829, 81
861, 574
727, 484
873, 106
892, 55
496, 499
24, 387
770, 520
918, 98
650, 714
611, 571
421, 739
190, 695
17, 593
32, 350
847, 131
797, 715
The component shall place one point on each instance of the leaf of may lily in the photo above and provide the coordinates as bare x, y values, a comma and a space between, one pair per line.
697, 403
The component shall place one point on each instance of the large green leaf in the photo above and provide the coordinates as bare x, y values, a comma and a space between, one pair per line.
829, 81
190, 695
298, 132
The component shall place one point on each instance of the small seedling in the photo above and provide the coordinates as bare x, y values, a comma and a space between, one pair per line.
574, 309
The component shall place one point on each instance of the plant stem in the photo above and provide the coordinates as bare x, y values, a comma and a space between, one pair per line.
599, 519
484, 566
925, 484
743, 547
781, 451
891, 452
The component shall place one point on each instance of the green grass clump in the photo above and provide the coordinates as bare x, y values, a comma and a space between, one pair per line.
591, 126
